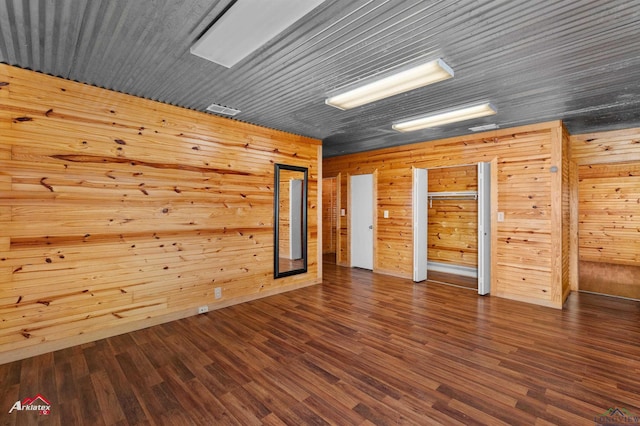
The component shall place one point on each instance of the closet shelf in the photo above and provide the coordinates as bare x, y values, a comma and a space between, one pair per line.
452, 195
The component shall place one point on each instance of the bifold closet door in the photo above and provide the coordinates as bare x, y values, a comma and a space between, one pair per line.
420, 222
484, 228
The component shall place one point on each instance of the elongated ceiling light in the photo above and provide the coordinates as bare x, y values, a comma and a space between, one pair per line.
389, 84
445, 117
247, 25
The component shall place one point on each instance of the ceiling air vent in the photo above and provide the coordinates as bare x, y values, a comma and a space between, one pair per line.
221, 109
484, 127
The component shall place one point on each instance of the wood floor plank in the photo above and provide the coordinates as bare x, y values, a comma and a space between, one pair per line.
9, 395
359, 349
245, 414
110, 408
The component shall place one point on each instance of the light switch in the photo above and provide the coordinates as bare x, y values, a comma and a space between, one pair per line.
343, 212
500, 216
386, 214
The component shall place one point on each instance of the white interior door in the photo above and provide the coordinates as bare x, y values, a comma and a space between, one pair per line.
362, 221
484, 228
420, 223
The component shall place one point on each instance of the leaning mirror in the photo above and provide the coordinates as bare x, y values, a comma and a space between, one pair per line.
290, 224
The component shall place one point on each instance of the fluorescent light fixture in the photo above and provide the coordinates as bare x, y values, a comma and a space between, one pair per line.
445, 117
388, 84
246, 26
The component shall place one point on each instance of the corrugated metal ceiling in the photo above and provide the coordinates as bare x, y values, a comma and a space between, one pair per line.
578, 61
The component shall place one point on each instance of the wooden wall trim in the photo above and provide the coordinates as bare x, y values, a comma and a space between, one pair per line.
556, 214
494, 222
318, 209
575, 247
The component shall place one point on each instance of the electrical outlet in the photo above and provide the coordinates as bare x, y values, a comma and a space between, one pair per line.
217, 292
203, 309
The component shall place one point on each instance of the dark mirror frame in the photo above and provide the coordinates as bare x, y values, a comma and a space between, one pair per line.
277, 273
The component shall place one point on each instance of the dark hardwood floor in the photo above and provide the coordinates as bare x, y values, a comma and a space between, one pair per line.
452, 279
360, 349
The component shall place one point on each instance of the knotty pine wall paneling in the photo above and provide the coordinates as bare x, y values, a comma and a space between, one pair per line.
453, 224
118, 212
342, 254
329, 215
569, 251
560, 208
608, 168
528, 193
5, 182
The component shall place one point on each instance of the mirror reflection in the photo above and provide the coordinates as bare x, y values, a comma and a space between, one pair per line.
290, 242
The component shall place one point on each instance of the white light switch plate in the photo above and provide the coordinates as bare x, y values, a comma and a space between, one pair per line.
500, 216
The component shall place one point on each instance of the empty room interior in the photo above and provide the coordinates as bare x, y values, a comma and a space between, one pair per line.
324, 212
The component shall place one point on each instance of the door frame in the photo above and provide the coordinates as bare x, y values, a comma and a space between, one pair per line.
491, 196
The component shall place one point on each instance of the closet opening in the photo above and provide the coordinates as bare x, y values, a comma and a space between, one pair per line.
452, 220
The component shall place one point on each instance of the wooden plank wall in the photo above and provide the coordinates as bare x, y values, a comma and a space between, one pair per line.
529, 194
118, 212
329, 215
453, 224
343, 257
563, 185
608, 166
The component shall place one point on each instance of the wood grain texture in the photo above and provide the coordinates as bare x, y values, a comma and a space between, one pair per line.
523, 266
119, 212
453, 224
561, 210
330, 214
611, 279
360, 349
608, 211
619, 146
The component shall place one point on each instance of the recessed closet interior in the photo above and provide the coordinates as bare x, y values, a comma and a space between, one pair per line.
452, 231
452, 225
